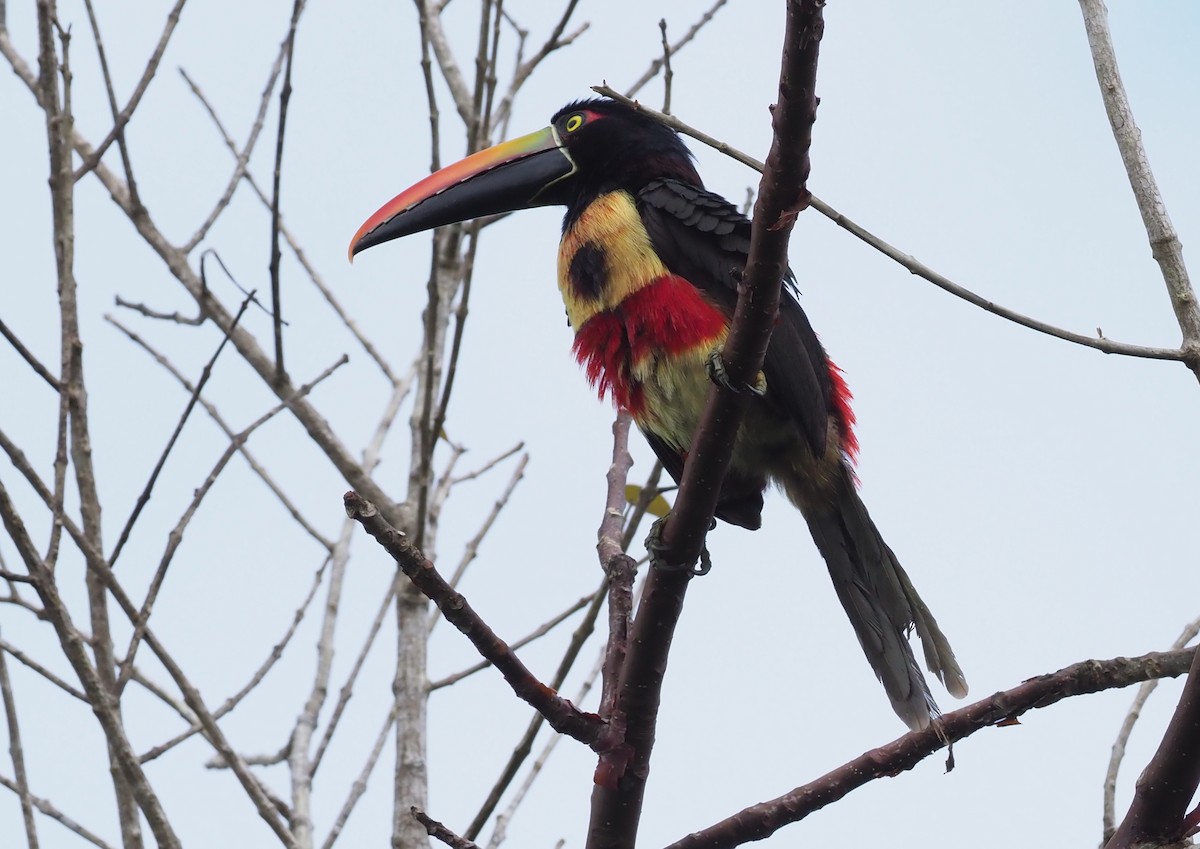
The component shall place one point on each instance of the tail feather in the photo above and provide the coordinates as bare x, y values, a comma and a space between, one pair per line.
883, 606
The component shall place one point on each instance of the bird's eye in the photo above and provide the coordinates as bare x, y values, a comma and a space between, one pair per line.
574, 122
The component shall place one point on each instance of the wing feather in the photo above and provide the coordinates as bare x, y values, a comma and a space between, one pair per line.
705, 239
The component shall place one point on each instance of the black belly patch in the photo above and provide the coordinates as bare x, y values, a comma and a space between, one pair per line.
588, 271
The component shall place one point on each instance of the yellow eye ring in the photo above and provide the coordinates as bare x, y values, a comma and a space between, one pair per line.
574, 123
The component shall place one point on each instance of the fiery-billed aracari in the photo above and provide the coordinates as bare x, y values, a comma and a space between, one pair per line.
648, 268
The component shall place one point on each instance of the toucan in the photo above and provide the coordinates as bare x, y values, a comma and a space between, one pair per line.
648, 268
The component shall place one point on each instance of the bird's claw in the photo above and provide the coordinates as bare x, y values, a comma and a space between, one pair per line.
654, 548
715, 366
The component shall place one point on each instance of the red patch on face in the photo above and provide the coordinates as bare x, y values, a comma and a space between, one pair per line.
666, 317
841, 409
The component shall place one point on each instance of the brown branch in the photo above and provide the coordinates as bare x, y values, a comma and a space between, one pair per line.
617, 796
1118, 748
440, 832
560, 713
540, 631
27, 356
1099, 343
285, 96
1001, 709
1168, 783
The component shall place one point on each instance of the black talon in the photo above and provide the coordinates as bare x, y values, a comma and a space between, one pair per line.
715, 366
654, 547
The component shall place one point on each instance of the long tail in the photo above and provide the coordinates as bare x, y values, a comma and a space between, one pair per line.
882, 604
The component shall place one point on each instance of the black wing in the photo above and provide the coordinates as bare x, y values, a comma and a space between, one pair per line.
705, 239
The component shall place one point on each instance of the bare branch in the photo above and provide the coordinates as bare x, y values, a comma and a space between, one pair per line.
144, 498
17, 752
440, 832
1164, 243
431, 23
58, 816
215, 415
347, 690
175, 537
1131, 718
90, 161
244, 157
176, 317
621, 777
1091, 676
561, 714
359, 787
471, 550
524, 70
20, 656
540, 631
285, 96
657, 64
260, 673
27, 356
1100, 343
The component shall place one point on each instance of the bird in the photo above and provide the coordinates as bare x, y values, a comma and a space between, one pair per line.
648, 268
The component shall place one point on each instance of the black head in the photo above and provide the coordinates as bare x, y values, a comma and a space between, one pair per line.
615, 146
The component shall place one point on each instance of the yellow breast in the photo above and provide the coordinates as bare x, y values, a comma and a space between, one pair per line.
622, 260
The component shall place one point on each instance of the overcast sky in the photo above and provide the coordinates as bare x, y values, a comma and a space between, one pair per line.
1041, 495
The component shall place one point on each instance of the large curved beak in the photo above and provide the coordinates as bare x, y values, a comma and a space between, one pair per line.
512, 175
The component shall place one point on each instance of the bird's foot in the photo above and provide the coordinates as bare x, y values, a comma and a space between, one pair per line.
715, 366
654, 549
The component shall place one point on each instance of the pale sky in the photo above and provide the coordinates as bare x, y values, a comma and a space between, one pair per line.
1036, 491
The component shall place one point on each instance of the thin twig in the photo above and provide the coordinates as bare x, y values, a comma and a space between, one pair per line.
668, 74
93, 158
541, 631
17, 752
260, 673
359, 787
500, 829
285, 96
27, 356
175, 537
1100, 343
216, 416
1164, 243
471, 549
58, 816
247, 149
144, 498
440, 832
561, 714
1118, 748
21, 657
657, 64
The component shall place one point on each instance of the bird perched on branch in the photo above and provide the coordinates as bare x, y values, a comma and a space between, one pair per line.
648, 268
